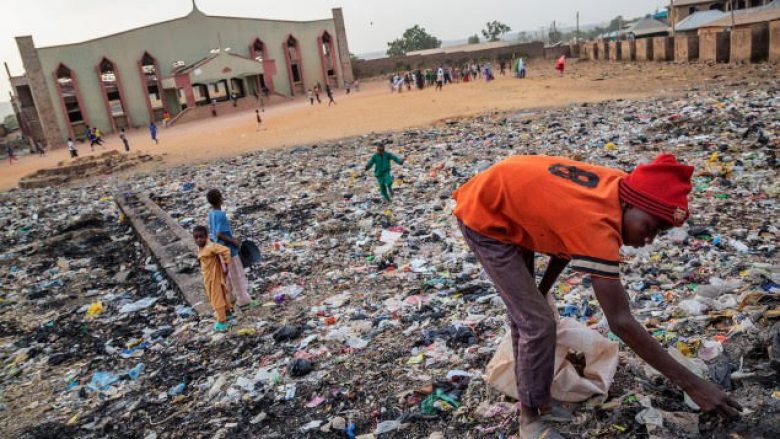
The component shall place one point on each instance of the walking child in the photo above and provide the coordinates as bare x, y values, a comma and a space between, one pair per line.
221, 233
72, 149
214, 262
311, 97
123, 136
259, 119
381, 163
153, 132
329, 92
11, 157
560, 65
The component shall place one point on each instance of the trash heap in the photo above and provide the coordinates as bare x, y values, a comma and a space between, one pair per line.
374, 320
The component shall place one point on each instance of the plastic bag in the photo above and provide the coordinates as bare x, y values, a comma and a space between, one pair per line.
601, 361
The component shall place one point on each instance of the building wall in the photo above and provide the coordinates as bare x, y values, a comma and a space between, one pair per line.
750, 43
615, 50
376, 67
714, 47
686, 48
188, 39
644, 49
51, 130
628, 50
663, 48
774, 41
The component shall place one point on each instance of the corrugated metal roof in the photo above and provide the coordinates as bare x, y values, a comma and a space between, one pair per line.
697, 20
760, 14
462, 48
648, 26
689, 2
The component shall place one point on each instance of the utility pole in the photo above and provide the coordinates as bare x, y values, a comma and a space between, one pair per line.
578, 27
672, 17
732, 15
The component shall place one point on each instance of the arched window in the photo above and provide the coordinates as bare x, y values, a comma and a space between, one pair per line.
328, 58
70, 99
292, 54
150, 79
113, 96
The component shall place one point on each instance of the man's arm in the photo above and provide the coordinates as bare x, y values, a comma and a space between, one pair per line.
612, 299
554, 269
396, 159
369, 164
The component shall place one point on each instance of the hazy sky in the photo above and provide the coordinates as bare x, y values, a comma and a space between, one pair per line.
370, 23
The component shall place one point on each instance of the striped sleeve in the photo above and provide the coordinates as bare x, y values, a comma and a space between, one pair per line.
595, 266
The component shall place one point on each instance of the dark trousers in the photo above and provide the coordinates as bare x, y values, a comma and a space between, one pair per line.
532, 321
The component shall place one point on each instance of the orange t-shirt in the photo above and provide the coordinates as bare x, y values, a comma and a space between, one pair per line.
550, 205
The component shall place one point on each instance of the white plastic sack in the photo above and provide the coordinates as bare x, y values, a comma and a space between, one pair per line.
601, 361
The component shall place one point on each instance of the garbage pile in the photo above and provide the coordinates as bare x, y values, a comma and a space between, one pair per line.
373, 320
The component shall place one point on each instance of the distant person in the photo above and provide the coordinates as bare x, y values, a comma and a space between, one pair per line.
123, 137
166, 118
329, 92
502, 68
560, 65
40, 149
153, 132
521, 68
317, 91
214, 261
99, 136
259, 119
347, 86
72, 149
381, 163
11, 156
93, 138
234, 98
356, 84
214, 108
311, 96
222, 234
440, 79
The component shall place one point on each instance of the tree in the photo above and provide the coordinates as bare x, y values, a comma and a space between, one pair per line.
414, 38
523, 37
10, 122
494, 29
474, 39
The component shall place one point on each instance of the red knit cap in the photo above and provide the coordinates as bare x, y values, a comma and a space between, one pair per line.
660, 188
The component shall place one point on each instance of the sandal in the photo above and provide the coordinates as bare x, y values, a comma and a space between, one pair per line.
538, 430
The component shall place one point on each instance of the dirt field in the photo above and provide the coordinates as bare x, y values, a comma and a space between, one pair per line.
374, 109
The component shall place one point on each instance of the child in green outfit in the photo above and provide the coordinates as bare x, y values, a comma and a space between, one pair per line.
381, 163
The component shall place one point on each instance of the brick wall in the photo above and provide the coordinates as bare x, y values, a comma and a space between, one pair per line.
644, 49
383, 66
774, 41
714, 47
750, 43
615, 50
663, 48
686, 48
628, 50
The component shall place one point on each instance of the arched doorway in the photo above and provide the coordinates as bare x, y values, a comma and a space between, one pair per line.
113, 95
328, 59
70, 100
150, 79
292, 54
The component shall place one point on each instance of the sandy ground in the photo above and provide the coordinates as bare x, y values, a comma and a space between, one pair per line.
375, 109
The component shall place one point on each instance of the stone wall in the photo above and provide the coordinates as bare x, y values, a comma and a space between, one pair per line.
686, 48
644, 49
382, 66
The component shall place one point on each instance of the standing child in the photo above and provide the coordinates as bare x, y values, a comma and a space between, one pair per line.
72, 149
311, 97
560, 65
258, 118
381, 163
123, 136
153, 132
11, 157
213, 257
221, 233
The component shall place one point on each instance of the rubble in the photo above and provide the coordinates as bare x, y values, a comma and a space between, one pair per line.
374, 320
107, 163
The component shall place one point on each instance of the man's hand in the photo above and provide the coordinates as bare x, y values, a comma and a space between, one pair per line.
612, 299
710, 398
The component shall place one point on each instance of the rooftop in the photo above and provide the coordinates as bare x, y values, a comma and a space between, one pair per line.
760, 14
